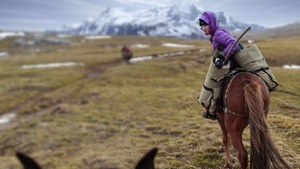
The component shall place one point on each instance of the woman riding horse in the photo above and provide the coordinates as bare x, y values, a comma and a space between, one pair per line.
244, 100
222, 42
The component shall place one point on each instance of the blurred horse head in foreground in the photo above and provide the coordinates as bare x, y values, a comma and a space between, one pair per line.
146, 162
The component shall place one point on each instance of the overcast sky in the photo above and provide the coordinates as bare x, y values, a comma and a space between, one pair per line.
39, 15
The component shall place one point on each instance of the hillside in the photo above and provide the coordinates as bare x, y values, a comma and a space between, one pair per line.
288, 31
103, 113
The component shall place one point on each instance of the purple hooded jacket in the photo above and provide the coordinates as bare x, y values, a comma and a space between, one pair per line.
220, 37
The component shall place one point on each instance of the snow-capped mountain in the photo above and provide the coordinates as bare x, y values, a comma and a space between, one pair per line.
175, 21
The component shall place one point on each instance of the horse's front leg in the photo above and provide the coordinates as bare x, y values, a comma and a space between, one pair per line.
225, 141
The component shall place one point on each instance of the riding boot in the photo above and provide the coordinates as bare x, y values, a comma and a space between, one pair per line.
209, 116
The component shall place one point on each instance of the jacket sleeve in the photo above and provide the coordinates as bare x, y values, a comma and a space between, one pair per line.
225, 40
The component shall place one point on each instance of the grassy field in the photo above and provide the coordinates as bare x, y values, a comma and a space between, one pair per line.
106, 114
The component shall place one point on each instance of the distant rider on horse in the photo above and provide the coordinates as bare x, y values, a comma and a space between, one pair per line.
126, 53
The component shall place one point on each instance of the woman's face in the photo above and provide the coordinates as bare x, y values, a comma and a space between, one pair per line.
205, 29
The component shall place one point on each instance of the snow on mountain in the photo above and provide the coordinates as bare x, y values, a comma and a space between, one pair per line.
4, 35
175, 21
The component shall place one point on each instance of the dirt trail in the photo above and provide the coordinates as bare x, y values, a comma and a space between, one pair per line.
95, 72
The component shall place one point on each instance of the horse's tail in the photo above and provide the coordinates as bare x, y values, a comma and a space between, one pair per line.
263, 151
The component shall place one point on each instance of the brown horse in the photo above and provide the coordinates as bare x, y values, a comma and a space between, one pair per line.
246, 101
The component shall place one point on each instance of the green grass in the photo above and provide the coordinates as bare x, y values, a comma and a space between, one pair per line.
114, 116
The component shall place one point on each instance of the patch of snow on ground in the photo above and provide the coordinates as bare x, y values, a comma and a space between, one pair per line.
138, 59
7, 118
177, 45
140, 46
51, 65
291, 66
97, 37
63, 36
3, 54
250, 41
172, 54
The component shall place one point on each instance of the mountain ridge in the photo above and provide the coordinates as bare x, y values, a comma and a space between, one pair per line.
179, 21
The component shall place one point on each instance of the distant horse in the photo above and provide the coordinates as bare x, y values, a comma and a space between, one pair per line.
146, 162
127, 57
246, 101
126, 54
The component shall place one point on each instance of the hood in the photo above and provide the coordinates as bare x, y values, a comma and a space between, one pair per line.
210, 18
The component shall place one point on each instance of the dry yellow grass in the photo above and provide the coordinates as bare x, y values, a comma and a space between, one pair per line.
108, 113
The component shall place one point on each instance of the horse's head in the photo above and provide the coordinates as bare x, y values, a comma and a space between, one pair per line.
147, 162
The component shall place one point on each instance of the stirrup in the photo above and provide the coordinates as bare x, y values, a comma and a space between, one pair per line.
209, 116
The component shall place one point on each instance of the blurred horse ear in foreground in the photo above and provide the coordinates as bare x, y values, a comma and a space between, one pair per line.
146, 162
27, 162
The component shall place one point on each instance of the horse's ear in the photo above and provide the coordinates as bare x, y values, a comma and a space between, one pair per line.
27, 162
147, 162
